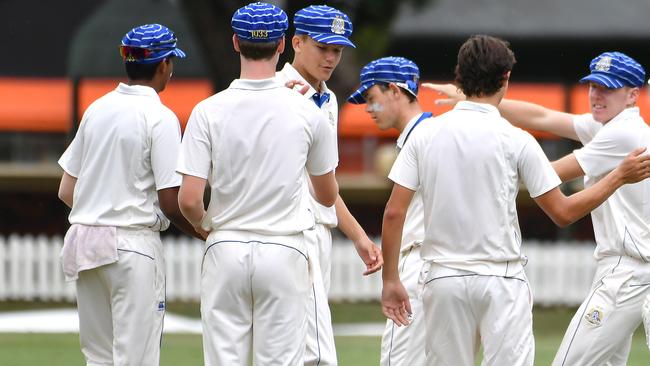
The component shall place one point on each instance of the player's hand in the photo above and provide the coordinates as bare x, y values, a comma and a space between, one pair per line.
635, 167
451, 93
297, 85
370, 255
395, 302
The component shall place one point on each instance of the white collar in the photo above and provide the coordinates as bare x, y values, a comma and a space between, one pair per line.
401, 140
478, 107
261, 84
137, 90
291, 73
632, 112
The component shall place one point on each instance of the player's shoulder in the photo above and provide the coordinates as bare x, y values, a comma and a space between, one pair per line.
213, 104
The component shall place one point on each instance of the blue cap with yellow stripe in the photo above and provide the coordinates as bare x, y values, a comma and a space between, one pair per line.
260, 22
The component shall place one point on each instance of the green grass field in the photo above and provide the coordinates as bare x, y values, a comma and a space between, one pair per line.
178, 349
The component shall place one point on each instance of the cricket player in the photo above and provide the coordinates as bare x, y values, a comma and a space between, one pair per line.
389, 88
120, 182
467, 163
322, 33
601, 331
252, 143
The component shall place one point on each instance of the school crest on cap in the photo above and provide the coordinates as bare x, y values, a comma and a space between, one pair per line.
338, 25
595, 316
603, 64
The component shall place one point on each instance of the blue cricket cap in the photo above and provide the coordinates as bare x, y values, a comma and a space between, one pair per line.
615, 70
398, 70
149, 43
260, 22
324, 24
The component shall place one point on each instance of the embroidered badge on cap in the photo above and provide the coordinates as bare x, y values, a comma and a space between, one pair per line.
161, 306
338, 25
603, 64
595, 316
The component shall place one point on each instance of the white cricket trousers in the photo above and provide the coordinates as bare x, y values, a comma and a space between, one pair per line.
254, 297
646, 319
464, 310
122, 305
405, 345
600, 332
321, 350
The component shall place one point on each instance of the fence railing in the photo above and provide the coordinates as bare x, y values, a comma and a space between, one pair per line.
559, 273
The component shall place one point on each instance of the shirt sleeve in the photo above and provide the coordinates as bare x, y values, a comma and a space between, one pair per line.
195, 157
165, 145
606, 151
405, 169
71, 159
535, 171
586, 127
323, 155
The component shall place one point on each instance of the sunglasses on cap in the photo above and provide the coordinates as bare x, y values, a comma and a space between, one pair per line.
135, 53
130, 53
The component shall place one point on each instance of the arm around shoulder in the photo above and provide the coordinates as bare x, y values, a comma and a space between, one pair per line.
565, 210
534, 116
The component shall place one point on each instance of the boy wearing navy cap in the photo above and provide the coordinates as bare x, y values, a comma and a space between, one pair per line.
253, 143
120, 181
322, 33
389, 88
601, 331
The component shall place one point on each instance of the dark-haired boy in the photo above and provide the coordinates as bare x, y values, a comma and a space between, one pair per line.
120, 181
601, 330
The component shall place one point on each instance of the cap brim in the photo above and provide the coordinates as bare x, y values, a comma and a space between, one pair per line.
329, 38
357, 96
605, 80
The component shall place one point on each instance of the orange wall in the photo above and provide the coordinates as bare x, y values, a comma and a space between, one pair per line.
45, 105
35, 105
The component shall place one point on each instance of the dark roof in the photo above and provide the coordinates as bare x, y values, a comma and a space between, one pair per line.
94, 48
553, 40
527, 18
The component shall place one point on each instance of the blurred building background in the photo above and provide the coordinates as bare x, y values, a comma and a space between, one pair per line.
60, 56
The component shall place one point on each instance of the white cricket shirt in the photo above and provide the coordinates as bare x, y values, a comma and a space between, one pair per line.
252, 142
124, 152
467, 164
330, 109
413, 231
622, 223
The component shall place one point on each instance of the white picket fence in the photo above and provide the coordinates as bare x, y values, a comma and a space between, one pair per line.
559, 273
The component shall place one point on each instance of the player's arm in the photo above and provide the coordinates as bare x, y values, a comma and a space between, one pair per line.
190, 201
366, 248
169, 204
394, 298
519, 113
567, 168
326, 189
565, 210
66, 188
536, 117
